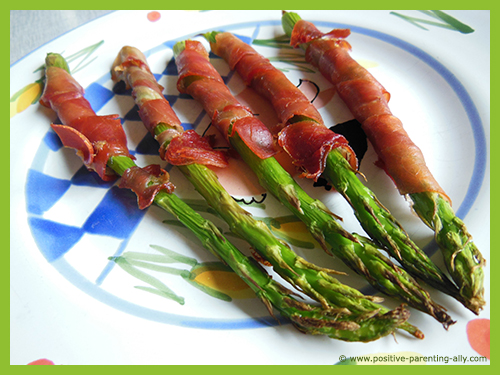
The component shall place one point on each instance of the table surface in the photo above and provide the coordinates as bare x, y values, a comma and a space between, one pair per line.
44, 26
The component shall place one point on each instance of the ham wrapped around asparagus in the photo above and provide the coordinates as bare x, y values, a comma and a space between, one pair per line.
99, 140
339, 324
368, 101
228, 115
178, 147
398, 155
310, 279
312, 146
96, 138
247, 135
303, 135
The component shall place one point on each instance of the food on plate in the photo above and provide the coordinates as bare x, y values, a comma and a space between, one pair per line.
313, 281
97, 139
179, 147
319, 151
335, 323
398, 155
198, 78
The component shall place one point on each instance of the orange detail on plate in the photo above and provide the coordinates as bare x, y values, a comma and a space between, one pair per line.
478, 334
42, 361
154, 16
226, 282
28, 95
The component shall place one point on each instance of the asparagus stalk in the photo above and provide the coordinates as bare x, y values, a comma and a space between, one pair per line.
359, 253
462, 258
375, 219
314, 281
381, 225
335, 323
338, 324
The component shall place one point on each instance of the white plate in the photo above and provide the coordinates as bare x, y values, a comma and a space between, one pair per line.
71, 305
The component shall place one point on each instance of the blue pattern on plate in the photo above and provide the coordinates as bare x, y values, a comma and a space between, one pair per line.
98, 96
171, 69
43, 191
148, 145
83, 177
117, 215
54, 239
52, 141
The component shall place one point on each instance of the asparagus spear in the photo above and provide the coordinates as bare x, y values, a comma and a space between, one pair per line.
463, 260
314, 281
334, 323
377, 221
338, 324
359, 253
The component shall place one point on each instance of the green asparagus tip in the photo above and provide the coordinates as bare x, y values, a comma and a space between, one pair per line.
179, 47
55, 59
288, 21
210, 36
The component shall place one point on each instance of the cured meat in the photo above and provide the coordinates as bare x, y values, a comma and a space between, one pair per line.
189, 148
256, 136
307, 143
368, 102
128, 56
191, 64
146, 183
304, 32
158, 111
198, 78
72, 138
264, 78
215, 98
177, 147
131, 67
96, 138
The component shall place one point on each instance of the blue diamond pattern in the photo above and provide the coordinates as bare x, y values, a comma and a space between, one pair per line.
43, 191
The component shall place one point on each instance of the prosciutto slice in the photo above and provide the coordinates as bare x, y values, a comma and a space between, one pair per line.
189, 148
198, 78
264, 78
308, 142
96, 138
130, 66
146, 183
368, 102
158, 111
176, 146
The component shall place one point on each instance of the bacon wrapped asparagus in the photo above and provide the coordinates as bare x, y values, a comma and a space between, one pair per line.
398, 155
253, 141
131, 67
152, 186
316, 150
